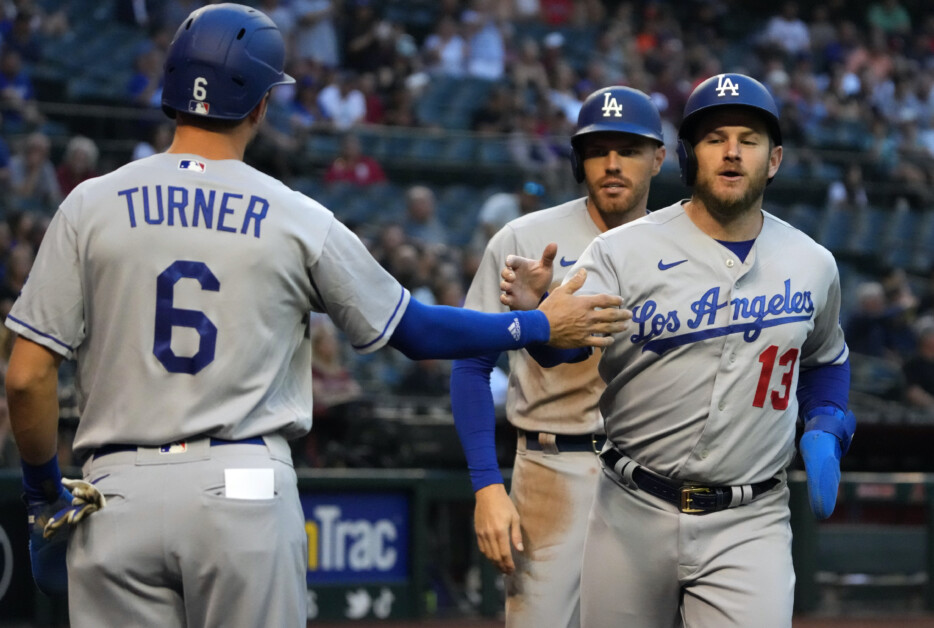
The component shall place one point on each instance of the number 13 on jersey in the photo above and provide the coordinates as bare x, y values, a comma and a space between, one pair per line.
781, 394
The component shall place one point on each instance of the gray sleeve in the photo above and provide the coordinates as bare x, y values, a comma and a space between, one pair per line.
825, 344
359, 295
602, 277
50, 310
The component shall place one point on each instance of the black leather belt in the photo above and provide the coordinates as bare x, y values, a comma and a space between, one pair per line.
116, 448
566, 442
689, 498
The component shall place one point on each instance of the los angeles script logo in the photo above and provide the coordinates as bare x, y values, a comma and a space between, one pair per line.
748, 316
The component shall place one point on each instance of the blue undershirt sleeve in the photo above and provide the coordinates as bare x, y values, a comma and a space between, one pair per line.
824, 386
475, 417
443, 332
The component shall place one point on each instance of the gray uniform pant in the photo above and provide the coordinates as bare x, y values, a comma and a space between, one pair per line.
171, 550
647, 565
552, 494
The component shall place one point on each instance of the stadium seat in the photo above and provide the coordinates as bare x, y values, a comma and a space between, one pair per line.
835, 229
806, 217
871, 224
494, 152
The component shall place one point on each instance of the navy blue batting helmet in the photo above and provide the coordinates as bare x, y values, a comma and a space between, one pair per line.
723, 90
223, 60
616, 109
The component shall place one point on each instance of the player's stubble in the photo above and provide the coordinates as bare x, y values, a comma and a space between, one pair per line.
726, 203
630, 198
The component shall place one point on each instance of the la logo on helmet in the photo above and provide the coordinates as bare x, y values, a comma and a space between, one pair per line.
610, 106
724, 83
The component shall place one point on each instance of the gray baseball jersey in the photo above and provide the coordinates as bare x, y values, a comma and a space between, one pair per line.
702, 389
562, 399
702, 385
175, 279
552, 492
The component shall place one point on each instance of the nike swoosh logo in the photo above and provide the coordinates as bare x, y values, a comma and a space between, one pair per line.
570, 262
663, 266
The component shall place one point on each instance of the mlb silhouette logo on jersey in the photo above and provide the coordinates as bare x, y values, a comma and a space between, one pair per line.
725, 83
179, 447
611, 106
191, 164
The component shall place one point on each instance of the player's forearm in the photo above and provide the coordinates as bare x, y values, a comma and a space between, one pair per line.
475, 418
32, 397
442, 332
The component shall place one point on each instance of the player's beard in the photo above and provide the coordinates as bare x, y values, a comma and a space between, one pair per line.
627, 201
727, 206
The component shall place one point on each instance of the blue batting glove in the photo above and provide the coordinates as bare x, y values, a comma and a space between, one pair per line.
47, 554
821, 452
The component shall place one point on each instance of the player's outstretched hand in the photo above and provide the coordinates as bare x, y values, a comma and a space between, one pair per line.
575, 319
496, 522
525, 281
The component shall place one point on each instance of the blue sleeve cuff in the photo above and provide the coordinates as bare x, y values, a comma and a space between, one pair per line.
42, 482
824, 386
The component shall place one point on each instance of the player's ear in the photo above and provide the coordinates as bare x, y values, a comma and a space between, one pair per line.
259, 111
660, 153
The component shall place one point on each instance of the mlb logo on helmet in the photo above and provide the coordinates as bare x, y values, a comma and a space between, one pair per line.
199, 107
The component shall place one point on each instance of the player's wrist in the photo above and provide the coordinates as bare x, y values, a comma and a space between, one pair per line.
42, 482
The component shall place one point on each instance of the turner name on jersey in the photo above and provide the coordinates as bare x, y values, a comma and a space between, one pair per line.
180, 206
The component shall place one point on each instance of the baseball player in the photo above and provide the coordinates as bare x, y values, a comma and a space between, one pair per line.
617, 148
735, 335
181, 284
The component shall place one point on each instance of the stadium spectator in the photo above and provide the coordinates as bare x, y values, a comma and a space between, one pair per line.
890, 17
787, 31
23, 36
532, 151
363, 31
875, 328
78, 164
919, 372
353, 166
33, 182
486, 49
4, 169
17, 95
421, 223
315, 33
144, 87
335, 393
305, 112
850, 192
527, 71
160, 140
19, 261
494, 117
444, 50
279, 13
342, 102
503, 207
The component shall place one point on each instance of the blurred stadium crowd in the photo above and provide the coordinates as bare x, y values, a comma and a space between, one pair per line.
425, 125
